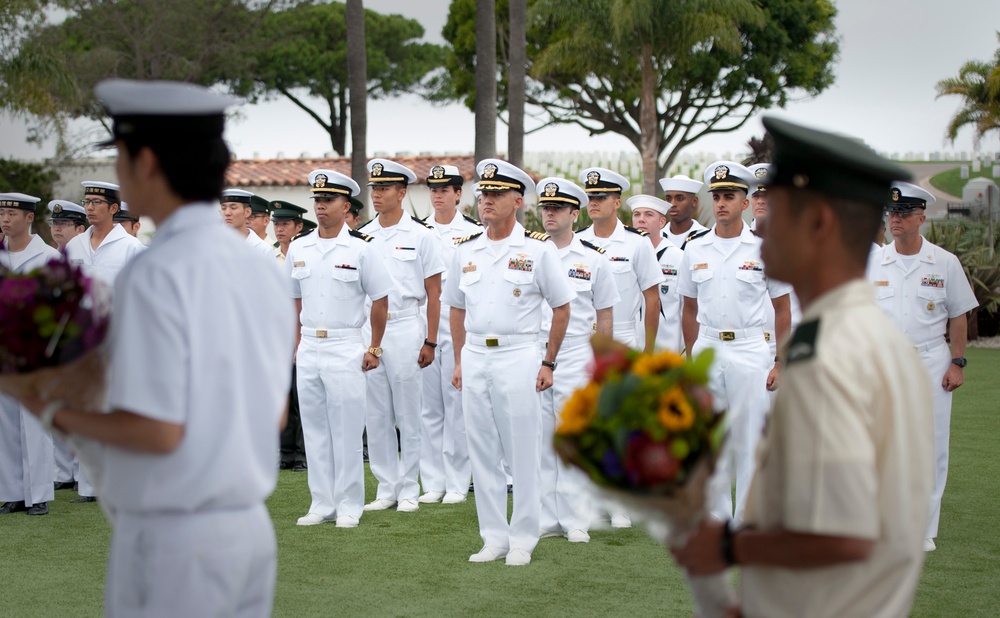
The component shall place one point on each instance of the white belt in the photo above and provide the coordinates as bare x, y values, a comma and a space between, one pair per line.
731, 334
573, 341
930, 345
497, 341
331, 333
402, 313
621, 327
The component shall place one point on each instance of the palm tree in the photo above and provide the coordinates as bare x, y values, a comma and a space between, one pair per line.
978, 83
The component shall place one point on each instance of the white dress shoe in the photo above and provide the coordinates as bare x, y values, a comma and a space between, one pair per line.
311, 519
621, 521
488, 554
431, 497
548, 534
453, 498
929, 545
407, 506
518, 557
347, 522
380, 505
577, 536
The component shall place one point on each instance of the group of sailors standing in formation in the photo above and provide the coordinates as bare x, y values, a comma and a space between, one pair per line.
468, 340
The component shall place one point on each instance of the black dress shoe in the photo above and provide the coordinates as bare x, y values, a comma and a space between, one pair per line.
300, 466
65, 485
12, 507
83, 499
510, 489
42, 508
472, 488
285, 465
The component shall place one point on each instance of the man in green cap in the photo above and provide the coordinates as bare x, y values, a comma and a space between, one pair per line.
260, 216
837, 511
353, 217
287, 221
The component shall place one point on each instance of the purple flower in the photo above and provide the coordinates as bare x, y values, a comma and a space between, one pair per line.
611, 464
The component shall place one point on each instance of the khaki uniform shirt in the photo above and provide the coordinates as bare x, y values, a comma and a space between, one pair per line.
848, 452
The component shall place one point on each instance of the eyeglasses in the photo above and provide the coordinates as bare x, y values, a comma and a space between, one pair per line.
901, 215
93, 202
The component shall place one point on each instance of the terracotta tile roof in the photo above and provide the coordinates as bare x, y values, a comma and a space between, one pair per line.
293, 172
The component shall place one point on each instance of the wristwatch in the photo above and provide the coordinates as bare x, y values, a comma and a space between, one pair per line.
961, 362
550, 364
376, 352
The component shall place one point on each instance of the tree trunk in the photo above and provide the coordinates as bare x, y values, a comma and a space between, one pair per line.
357, 81
649, 138
486, 79
518, 54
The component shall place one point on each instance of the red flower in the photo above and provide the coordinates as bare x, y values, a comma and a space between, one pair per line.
605, 362
650, 463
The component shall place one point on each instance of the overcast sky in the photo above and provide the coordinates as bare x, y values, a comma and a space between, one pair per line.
893, 52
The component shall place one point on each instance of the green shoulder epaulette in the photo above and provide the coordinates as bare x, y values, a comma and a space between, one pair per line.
694, 236
423, 223
361, 235
803, 344
471, 220
536, 235
635, 231
468, 238
591, 245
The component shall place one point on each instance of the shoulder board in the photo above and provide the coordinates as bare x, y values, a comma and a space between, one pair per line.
361, 235
635, 231
468, 238
423, 223
694, 236
586, 227
803, 344
471, 220
536, 235
590, 245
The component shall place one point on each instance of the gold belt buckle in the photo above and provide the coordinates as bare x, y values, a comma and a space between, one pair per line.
321, 333
767, 336
492, 342
727, 335
388, 315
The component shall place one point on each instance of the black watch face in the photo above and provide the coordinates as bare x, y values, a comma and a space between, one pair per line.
961, 362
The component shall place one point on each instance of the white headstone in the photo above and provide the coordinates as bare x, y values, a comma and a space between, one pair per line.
964, 172
996, 170
977, 165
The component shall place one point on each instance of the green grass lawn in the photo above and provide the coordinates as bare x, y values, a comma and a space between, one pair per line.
397, 564
951, 181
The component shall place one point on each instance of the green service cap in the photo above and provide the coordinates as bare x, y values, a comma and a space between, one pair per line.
307, 226
259, 205
356, 206
285, 211
831, 164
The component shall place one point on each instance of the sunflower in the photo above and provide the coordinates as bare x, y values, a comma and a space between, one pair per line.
649, 364
675, 413
579, 410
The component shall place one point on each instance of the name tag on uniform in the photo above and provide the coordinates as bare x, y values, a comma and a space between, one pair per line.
521, 264
932, 281
751, 265
701, 266
345, 266
881, 284
298, 264
470, 268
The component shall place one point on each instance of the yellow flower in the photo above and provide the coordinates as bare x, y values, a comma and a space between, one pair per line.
579, 410
675, 413
649, 364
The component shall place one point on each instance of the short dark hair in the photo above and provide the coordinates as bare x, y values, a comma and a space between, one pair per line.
859, 220
195, 170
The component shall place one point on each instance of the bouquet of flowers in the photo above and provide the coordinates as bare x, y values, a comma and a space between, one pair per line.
644, 430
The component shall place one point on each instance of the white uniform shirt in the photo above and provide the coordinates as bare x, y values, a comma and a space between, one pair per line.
115, 251
334, 276
848, 451
279, 257
260, 245
678, 239
181, 354
634, 264
34, 255
920, 298
668, 331
732, 291
589, 274
449, 233
411, 253
502, 293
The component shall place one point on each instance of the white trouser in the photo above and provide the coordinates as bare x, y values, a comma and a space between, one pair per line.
65, 462
503, 422
331, 390
627, 333
937, 359
219, 563
84, 486
444, 449
394, 399
27, 457
738, 381
564, 494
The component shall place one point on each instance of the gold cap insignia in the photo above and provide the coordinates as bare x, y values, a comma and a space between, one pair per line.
490, 170
57, 209
551, 189
593, 178
276, 205
437, 171
895, 195
377, 169
721, 172
320, 180
760, 173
